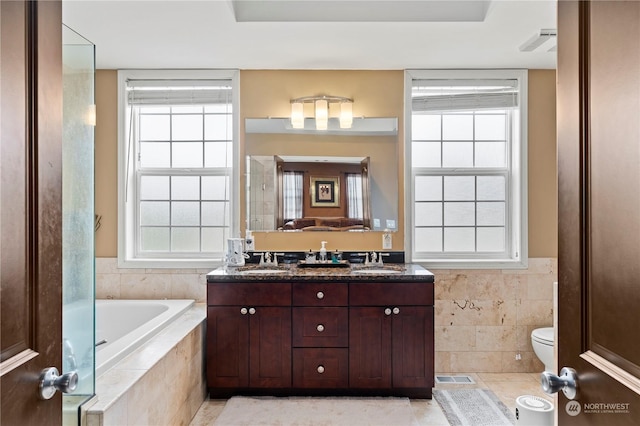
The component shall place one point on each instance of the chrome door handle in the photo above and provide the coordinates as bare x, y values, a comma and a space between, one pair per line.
50, 381
567, 382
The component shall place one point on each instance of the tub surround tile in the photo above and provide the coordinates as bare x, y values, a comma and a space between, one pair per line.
145, 286
108, 286
185, 286
113, 384
158, 383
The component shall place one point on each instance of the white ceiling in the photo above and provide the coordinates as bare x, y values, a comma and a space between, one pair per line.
205, 34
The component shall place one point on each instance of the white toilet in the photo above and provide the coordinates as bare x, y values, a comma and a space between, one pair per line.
542, 340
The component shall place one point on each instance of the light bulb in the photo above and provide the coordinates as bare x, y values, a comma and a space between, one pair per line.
297, 115
346, 115
322, 114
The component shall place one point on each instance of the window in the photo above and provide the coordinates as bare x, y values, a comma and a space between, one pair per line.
293, 193
467, 157
354, 196
178, 161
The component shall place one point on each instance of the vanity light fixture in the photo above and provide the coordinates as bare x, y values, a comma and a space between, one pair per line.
321, 104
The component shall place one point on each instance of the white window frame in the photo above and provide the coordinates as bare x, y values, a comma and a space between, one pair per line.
516, 216
128, 212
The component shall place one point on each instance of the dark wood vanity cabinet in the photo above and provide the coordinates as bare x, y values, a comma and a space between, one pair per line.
391, 337
321, 337
248, 336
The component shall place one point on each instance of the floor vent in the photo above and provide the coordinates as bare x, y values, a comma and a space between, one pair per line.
460, 380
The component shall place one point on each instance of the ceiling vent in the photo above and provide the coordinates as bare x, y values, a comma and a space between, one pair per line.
545, 40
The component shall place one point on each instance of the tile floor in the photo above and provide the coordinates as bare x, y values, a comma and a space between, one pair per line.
507, 386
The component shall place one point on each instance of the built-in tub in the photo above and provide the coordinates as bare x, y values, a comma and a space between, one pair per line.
122, 326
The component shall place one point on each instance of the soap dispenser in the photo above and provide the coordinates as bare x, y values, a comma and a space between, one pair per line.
323, 252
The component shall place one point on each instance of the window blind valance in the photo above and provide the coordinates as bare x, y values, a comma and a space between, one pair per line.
457, 95
178, 92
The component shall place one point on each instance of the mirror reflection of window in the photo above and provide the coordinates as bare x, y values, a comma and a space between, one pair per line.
354, 196
292, 188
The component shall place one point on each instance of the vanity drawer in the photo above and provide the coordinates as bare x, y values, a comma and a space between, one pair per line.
320, 368
249, 294
390, 294
320, 327
320, 294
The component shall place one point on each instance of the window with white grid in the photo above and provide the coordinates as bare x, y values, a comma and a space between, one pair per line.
178, 168
468, 168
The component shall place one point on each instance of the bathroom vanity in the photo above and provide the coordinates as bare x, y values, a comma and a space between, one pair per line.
320, 331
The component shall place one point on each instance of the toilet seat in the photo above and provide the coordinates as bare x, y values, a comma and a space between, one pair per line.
543, 335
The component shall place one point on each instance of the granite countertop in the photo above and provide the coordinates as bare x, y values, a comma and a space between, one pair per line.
292, 272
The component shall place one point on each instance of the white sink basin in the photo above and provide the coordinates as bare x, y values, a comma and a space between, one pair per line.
265, 271
377, 271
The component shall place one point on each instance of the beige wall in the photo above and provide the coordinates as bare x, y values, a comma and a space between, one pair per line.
375, 94
543, 174
106, 162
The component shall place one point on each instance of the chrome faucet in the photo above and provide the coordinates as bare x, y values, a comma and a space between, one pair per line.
269, 259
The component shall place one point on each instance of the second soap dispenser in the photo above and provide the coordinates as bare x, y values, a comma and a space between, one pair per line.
323, 252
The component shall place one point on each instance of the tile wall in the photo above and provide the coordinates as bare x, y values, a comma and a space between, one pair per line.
483, 318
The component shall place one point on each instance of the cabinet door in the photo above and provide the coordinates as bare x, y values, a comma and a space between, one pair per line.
369, 348
412, 343
227, 347
270, 351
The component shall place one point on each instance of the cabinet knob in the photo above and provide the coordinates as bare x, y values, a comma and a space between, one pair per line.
252, 311
321, 369
244, 311
320, 295
320, 328
387, 311
396, 311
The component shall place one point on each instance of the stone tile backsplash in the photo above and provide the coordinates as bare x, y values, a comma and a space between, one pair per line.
116, 283
483, 318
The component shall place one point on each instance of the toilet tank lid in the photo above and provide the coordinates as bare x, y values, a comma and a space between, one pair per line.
545, 333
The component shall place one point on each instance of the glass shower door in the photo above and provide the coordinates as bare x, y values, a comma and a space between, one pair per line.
78, 294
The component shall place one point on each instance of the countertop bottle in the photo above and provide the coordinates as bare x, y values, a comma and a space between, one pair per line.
323, 252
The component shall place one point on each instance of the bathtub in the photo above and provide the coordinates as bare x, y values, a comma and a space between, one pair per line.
124, 325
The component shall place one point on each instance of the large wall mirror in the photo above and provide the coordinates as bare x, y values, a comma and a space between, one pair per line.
316, 182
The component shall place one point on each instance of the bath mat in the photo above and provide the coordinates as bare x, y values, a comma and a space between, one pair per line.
330, 411
473, 407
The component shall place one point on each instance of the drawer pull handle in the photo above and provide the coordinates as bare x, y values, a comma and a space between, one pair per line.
244, 311
320, 328
396, 311
387, 311
320, 295
320, 369
252, 311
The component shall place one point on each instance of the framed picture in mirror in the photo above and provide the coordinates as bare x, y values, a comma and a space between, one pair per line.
325, 191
